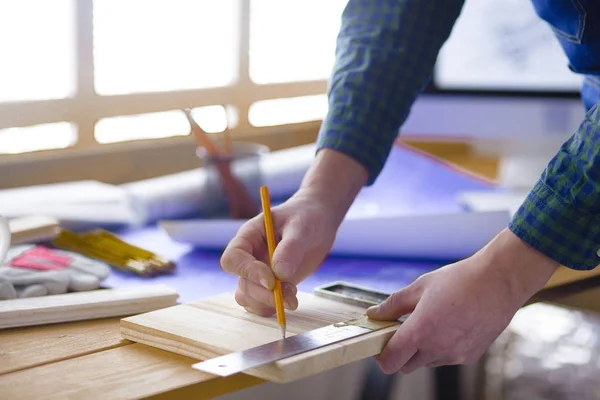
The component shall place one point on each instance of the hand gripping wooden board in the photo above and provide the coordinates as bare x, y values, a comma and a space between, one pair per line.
218, 325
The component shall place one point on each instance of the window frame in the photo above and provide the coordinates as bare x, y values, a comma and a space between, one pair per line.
85, 108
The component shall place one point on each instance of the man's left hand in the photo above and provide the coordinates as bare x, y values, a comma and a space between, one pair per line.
457, 311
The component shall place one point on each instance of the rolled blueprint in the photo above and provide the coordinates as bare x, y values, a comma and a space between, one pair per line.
193, 193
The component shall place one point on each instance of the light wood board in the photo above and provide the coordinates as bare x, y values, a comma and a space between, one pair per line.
89, 357
79, 306
218, 325
22, 348
31, 229
127, 372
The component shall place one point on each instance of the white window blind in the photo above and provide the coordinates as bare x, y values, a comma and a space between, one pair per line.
85, 73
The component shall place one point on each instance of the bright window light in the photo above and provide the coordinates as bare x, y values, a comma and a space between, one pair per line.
141, 126
163, 45
288, 111
37, 50
158, 125
58, 135
213, 119
293, 40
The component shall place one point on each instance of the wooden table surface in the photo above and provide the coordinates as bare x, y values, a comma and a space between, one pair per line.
89, 359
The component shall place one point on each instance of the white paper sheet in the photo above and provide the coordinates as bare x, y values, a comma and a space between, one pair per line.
73, 203
493, 201
443, 236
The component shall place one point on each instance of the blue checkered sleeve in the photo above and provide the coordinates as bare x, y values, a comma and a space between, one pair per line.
385, 53
561, 215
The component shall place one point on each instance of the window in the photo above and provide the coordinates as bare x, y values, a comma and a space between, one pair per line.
38, 137
293, 41
78, 74
291, 110
38, 50
161, 48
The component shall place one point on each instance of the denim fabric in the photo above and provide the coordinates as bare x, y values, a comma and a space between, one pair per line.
576, 25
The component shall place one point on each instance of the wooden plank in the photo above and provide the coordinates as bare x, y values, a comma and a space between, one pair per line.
564, 275
133, 371
565, 283
210, 389
79, 306
217, 326
35, 228
22, 348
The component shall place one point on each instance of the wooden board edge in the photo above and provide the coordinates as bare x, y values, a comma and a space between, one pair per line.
566, 276
61, 313
327, 358
132, 328
166, 344
290, 369
210, 389
213, 386
84, 314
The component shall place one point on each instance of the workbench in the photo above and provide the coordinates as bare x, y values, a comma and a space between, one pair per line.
89, 359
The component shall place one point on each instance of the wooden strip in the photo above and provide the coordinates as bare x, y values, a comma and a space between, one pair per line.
134, 371
211, 388
564, 275
78, 306
33, 229
22, 348
217, 326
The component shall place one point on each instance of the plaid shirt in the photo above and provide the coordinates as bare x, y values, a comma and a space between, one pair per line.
384, 58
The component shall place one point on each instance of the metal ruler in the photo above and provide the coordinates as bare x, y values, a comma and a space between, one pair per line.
233, 363
348, 293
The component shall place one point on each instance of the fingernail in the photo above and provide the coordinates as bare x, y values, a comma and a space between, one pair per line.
264, 283
283, 269
288, 305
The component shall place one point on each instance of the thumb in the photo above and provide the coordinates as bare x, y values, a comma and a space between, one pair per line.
290, 251
395, 306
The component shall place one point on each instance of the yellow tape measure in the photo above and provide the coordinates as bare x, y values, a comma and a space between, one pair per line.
105, 246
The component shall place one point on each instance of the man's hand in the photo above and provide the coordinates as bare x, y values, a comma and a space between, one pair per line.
306, 231
305, 228
457, 311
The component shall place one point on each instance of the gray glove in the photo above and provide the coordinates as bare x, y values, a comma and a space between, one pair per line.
32, 271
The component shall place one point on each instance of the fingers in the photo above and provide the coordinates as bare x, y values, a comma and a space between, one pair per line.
438, 363
259, 300
419, 360
398, 350
403, 346
289, 253
398, 304
239, 259
253, 306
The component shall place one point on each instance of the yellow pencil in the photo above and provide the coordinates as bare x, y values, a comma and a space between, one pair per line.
277, 292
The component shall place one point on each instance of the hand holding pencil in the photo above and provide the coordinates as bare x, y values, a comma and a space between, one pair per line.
304, 231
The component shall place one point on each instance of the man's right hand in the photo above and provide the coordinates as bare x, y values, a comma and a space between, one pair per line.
305, 228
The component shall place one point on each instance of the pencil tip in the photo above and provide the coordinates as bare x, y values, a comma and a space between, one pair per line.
282, 330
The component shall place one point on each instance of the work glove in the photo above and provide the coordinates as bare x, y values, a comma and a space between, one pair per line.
33, 271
